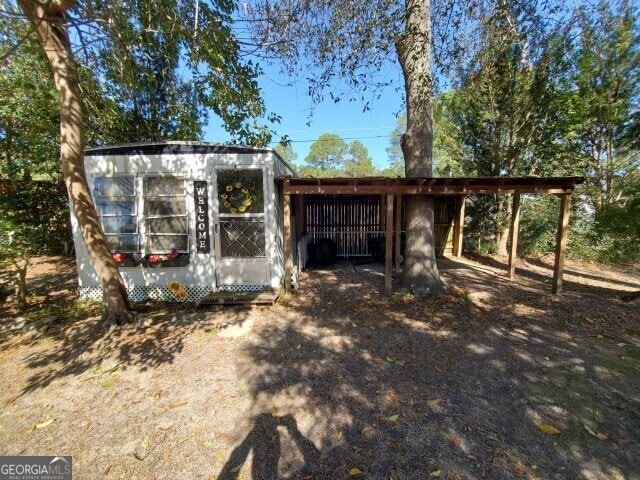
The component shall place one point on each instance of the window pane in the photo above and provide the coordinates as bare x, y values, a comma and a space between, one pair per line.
165, 243
127, 243
119, 224
106, 206
239, 238
240, 191
113, 186
167, 225
163, 186
165, 206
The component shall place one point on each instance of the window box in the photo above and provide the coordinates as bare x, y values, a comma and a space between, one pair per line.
165, 260
126, 259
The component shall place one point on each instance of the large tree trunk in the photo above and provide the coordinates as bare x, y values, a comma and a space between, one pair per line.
49, 22
420, 274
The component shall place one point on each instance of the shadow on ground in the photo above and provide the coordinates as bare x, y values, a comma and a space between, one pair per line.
345, 380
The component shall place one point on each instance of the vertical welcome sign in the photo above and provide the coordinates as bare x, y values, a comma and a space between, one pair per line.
203, 234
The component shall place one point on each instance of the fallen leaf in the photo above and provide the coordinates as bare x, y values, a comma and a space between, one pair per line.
598, 435
108, 470
109, 383
308, 477
434, 403
274, 411
548, 429
391, 359
393, 418
237, 468
420, 415
340, 435
178, 404
44, 424
354, 472
435, 473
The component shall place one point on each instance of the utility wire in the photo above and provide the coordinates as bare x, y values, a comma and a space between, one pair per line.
331, 140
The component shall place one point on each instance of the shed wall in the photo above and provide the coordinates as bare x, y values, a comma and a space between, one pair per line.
199, 276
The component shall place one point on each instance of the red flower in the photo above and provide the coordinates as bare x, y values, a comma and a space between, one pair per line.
153, 258
119, 256
173, 254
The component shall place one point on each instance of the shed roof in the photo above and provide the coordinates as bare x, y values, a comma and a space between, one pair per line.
173, 147
428, 185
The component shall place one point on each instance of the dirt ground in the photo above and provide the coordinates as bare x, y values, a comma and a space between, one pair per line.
497, 379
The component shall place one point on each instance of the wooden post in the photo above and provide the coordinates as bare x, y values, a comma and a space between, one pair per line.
388, 245
287, 243
398, 230
458, 226
561, 242
513, 234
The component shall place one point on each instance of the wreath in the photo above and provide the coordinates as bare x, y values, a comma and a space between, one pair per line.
236, 197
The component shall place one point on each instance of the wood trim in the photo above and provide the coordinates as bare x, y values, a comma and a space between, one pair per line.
561, 243
513, 234
388, 246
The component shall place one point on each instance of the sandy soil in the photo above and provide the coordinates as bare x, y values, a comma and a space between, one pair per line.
337, 380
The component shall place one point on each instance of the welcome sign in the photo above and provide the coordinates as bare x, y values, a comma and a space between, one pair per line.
203, 234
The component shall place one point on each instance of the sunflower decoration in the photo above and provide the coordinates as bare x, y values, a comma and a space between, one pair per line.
174, 286
182, 294
236, 197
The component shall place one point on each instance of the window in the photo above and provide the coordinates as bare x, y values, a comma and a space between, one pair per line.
116, 205
165, 210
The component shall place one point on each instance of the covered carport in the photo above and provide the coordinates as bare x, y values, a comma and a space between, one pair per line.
392, 191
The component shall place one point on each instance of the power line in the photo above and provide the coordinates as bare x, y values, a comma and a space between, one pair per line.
331, 140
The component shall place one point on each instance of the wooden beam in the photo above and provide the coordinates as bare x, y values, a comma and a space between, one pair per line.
398, 232
513, 234
458, 226
422, 190
388, 251
561, 243
288, 261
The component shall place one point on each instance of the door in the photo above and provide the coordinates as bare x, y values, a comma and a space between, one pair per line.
240, 230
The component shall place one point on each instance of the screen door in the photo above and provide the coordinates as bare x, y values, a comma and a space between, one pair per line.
240, 231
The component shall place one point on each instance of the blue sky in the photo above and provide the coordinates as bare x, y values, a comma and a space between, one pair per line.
345, 118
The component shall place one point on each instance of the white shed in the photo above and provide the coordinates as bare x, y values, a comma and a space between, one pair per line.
187, 220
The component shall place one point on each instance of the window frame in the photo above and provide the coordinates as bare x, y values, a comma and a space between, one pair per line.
130, 199
145, 217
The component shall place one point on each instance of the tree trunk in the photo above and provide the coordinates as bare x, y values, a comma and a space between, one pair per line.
21, 282
502, 240
502, 219
49, 22
420, 274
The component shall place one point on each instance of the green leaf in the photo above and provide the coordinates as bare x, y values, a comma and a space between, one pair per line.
393, 418
435, 473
